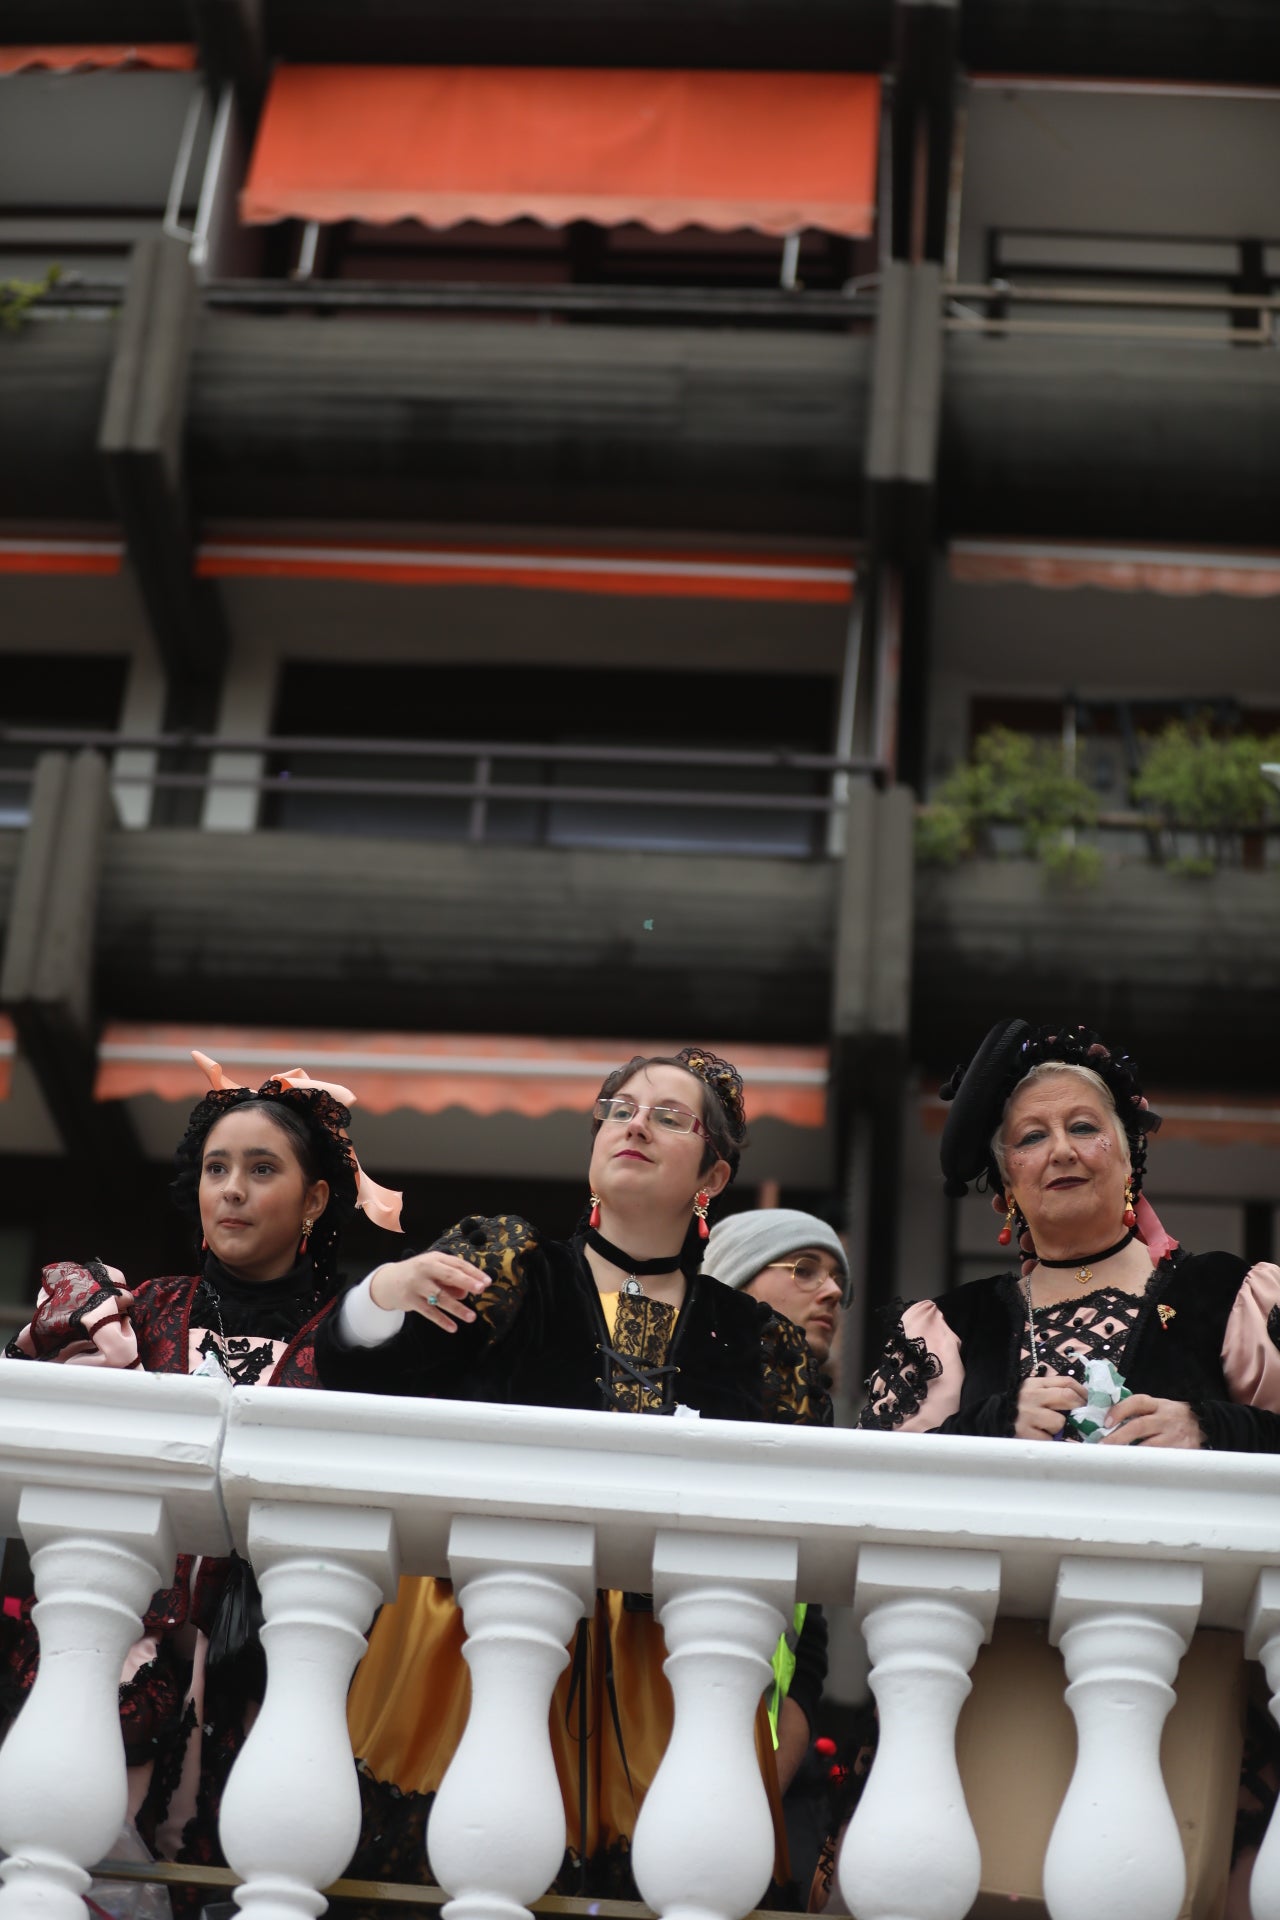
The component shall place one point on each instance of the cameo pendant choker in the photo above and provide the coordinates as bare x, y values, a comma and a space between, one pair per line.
617, 1257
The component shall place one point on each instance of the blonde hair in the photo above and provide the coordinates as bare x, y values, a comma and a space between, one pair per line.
1042, 1071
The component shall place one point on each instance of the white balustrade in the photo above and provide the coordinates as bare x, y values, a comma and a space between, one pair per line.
1125, 1550
522, 1585
1123, 1626
100, 1475
291, 1810
1262, 1642
911, 1852
703, 1845
96, 1560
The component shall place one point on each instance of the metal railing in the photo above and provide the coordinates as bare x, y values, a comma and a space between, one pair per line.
480, 788
1112, 301
852, 306
765, 305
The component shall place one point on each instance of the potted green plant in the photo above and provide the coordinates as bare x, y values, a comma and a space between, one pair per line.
1012, 780
1212, 787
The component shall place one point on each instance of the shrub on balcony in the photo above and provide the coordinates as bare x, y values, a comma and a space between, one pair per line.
1011, 780
1213, 788
17, 297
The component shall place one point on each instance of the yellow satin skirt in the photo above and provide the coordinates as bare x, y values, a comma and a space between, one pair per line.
411, 1693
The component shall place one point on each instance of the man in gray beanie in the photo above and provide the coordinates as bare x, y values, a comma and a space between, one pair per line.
792, 1261
795, 1263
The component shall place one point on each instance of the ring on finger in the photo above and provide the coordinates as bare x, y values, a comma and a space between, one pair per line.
432, 1299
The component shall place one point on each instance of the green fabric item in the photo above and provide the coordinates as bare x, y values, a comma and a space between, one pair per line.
784, 1667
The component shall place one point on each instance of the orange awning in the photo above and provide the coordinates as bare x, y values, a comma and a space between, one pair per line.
8, 1047
158, 56
771, 151
1168, 570
430, 1072
650, 573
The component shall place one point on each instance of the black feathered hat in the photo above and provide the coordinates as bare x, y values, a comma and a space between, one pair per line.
979, 1093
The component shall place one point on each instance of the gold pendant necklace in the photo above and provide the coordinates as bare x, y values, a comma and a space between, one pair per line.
1084, 1268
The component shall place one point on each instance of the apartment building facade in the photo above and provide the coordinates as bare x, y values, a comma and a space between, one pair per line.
509, 630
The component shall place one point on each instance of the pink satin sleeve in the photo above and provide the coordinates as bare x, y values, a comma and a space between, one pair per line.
917, 1383
1250, 1357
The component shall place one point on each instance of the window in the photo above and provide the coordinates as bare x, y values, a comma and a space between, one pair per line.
71, 691
590, 713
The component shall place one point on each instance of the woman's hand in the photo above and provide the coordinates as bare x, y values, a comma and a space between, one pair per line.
1144, 1421
433, 1284
1044, 1402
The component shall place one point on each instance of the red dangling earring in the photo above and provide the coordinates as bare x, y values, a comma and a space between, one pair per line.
204, 1244
1130, 1217
593, 1218
701, 1201
306, 1235
1005, 1235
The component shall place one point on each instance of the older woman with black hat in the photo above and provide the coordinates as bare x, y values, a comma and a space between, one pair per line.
1057, 1124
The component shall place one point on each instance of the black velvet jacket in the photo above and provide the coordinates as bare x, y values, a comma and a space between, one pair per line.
540, 1339
1174, 1357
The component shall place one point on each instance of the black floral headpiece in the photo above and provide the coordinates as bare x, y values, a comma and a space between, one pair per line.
724, 1081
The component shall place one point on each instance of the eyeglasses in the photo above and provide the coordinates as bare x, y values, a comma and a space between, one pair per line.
665, 1119
807, 1273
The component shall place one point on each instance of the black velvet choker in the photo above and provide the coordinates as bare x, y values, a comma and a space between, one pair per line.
669, 1263
1085, 1263
1091, 1259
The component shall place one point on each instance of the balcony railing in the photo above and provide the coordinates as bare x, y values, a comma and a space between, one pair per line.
774, 800
528, 1511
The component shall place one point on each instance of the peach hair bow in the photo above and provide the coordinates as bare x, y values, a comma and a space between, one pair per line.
381, 1204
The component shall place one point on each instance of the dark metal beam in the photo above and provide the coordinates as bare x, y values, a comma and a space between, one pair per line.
801, 35
1204, 40
231, 35
47, 970
53, 22
906, 385
140, 439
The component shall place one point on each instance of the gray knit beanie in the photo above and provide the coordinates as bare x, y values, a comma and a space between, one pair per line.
741, 1246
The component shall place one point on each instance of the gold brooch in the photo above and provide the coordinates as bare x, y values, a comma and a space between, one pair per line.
1166, 1315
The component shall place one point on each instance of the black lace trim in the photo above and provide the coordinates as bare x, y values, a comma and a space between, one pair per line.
1273, 1326
897, 1389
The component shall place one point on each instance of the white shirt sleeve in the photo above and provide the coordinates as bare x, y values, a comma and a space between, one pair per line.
362, 1322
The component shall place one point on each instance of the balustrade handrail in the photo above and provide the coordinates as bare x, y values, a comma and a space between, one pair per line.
786, 759
482, 787
1076, 296
1124, 1551
631, 1475
605, 302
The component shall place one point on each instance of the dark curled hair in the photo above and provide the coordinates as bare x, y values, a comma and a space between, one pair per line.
315, 1125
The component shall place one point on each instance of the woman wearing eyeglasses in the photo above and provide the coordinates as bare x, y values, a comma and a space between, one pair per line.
619, 1318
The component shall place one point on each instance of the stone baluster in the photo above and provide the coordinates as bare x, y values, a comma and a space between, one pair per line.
1123, 1627
291, 1810
96, 1559
497, 1829
911, 1852
703, 1846
1262, 1642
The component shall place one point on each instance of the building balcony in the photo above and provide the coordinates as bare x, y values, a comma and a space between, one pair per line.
1124, 1554
454, 934
545, 418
